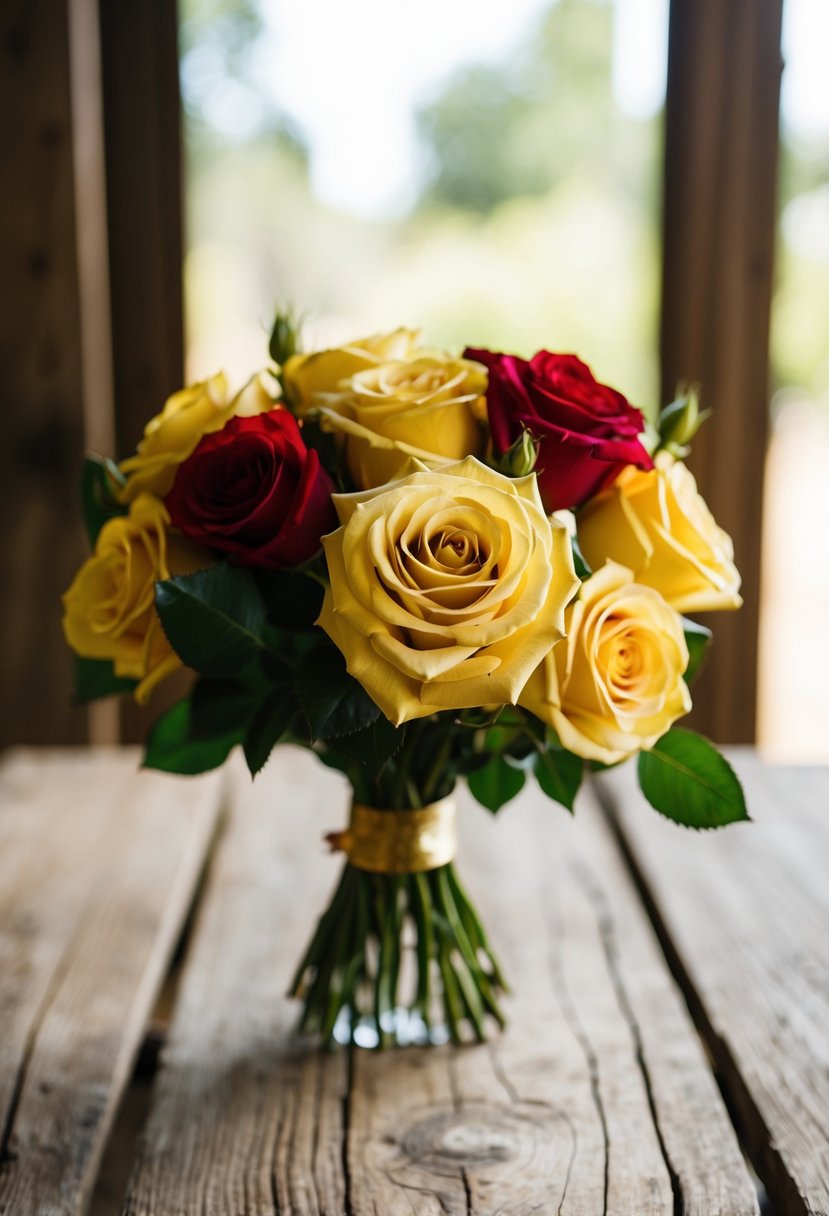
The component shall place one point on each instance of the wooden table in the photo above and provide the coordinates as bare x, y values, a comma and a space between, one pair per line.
669, 1030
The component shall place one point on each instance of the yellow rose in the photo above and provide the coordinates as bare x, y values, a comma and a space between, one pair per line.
109, 611
171, 436
657, 524
312, 380
426, 408
616, 684
446, 588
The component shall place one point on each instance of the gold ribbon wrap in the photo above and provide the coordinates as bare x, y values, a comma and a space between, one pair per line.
399, 842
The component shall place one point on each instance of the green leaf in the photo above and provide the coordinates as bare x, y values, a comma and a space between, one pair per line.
214, 619
496, 783
99, 476
332, 700
172, 747
582, 569
293, 600
220, 707
376, 744
269, 724
685, 778
559, 774
698, 640
96, 678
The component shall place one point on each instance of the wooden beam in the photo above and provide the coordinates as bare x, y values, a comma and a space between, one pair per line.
724, 66
139, 52
41, 366
139, 49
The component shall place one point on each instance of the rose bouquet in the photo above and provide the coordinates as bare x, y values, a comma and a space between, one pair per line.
425, 568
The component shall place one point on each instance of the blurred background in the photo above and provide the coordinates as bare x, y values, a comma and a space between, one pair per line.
633, 180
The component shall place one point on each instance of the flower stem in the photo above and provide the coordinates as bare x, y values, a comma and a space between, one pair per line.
350, 974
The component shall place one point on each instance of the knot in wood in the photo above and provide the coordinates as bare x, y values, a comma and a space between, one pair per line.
474, 1137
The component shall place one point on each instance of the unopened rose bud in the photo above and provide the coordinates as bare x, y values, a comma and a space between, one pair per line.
680, 421
520, 458
284, 340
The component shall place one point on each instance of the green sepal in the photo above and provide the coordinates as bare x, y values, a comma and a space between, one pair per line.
99, 479
686, 779
698, 641
496, 783
214, 619
96, 678
332, 700
173, 747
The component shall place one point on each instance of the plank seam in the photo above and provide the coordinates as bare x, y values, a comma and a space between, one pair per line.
752, 1132
574, 1022
607, 937
348, 1206
53, 987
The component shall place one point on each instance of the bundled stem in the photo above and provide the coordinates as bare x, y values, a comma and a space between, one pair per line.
351, 978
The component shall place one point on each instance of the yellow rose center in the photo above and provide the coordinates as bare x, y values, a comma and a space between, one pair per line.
624, 658
456, 550
444, 561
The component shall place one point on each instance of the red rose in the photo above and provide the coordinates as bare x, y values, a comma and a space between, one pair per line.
255, 491
586, 431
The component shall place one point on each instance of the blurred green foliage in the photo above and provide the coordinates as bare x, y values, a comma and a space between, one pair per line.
537, 222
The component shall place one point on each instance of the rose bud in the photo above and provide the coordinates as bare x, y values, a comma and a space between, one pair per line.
255, 491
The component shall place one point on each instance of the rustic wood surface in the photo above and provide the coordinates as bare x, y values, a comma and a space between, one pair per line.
597, 1099
745, 919
98, 867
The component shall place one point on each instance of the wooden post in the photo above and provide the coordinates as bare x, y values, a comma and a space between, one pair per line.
41, 365
139, 46
139, 50
724, 66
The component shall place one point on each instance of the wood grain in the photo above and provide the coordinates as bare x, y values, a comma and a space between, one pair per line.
721, 144
597, 1099
98, 865
245, 1118
40, 373
744, 917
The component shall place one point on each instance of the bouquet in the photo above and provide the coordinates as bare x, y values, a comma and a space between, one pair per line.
425, 568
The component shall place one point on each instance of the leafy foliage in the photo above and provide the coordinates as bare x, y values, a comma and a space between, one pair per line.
270, 722
99, 478
698, 640
292, 599
174, 746
559, 774
333, 701
686, 779
496, 783
214, 619
96, 678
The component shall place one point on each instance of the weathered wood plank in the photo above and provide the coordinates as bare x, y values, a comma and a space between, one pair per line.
98, 866
598, 1098
744, 916
245, 1119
